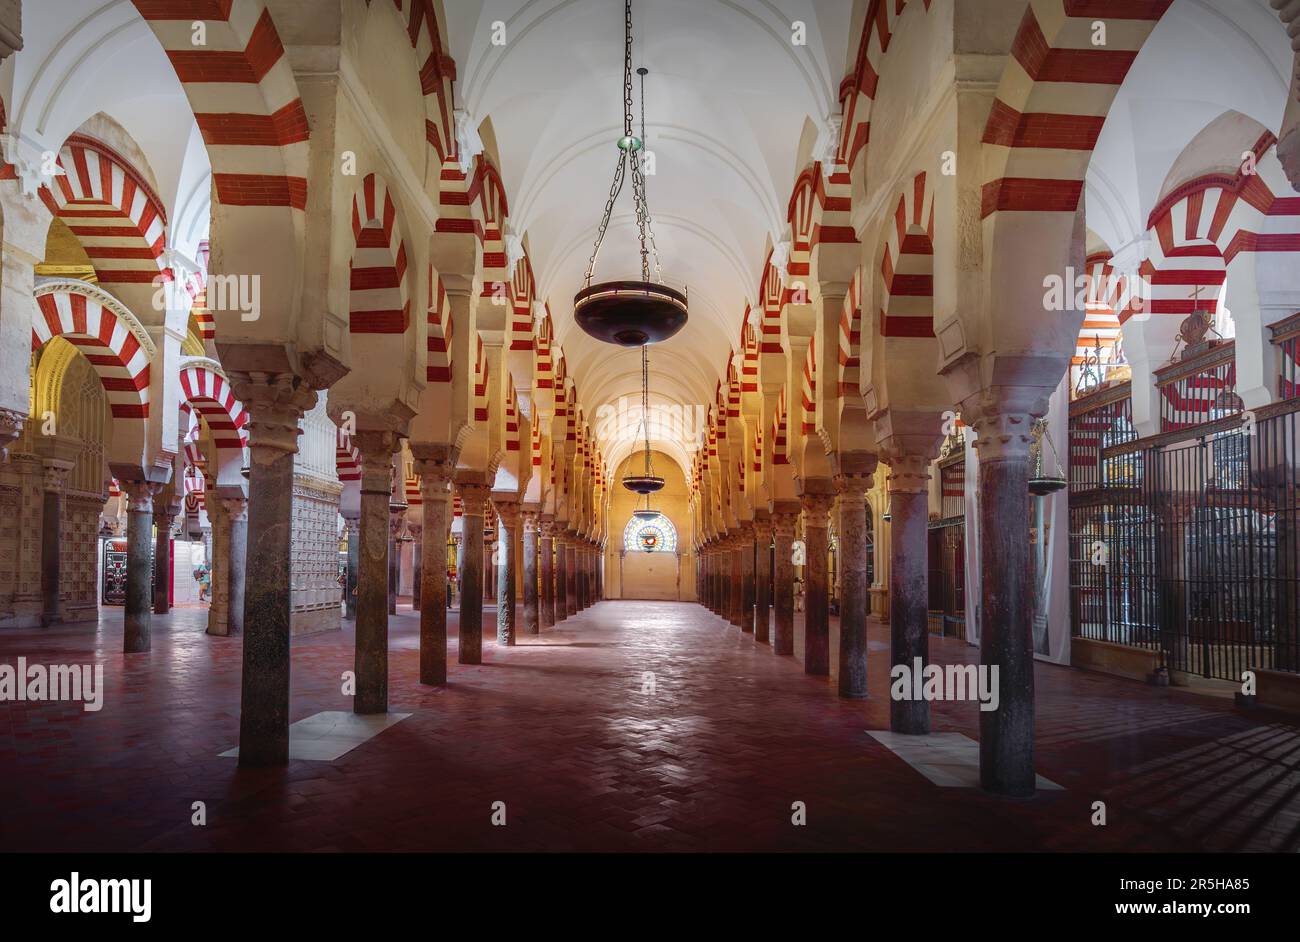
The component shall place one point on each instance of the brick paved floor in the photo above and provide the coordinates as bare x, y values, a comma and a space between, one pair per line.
559, 729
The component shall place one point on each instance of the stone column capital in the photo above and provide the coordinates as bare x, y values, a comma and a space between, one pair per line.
236, 509
415, 529
475, 499
1003, 435
55, 475
816, 508
435, 477
531, 520
908, 474
275, 402
139, 495
763, 531
508, 510
784, 524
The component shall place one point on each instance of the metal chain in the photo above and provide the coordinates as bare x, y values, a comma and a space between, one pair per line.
615, 188
631, 155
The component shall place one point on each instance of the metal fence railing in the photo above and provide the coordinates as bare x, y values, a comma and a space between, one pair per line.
1196, 554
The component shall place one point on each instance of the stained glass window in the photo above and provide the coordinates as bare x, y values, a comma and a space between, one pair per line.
650, 535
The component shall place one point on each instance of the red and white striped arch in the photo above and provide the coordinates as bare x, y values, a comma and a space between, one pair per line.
1208, 229
1053, 98
347, 458
774, 295
1100, 333
780, 438
244, 96
437, 72
114, 342
521, 299
481, 370
380, 294
907, 265
245, 100
851, 337
513, 439
208, 392
749, 349
545, 366
438, 367
809, 391
112, 211
858, 90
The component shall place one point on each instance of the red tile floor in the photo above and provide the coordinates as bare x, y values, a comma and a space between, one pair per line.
559, 729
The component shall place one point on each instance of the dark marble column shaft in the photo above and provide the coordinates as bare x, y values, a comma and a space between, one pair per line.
376, 586
817, 629
354, 561
747, 578
236, 561
852, 536
276, 403
546, 566
909, 584
162, 554
435, 501
507, 629
52, 545
137, 613
571, 576
783, 525
1006, 625
762, 580
561, 579
532, 617
475, 505
417, 565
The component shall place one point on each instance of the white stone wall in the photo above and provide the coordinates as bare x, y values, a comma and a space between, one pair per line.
315, 592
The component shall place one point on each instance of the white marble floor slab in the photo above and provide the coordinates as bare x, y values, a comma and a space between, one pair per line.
333, 733
949, 760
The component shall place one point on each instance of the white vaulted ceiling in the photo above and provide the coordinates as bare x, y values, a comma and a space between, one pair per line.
728, 96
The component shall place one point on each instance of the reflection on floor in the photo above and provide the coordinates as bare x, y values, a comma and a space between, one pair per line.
632, 726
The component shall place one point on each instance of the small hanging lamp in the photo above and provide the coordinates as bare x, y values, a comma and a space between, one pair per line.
1040, 484
630, 313
649, 482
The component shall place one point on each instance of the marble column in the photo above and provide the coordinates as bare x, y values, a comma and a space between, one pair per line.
490, 557
1006, 624
353, 524
584, 575
571, 575
546, 552
747, 578
715, 577
475, 506
460, 565
375, 585
417, 563
853, 485
396, 515
561, 578
735, 588
532, 622
55, 476
909, 582
218, 563
434, 466
276, 403
783, 527
236, 509
817, 628
139, 544
762, 578
508, 511
164, 515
